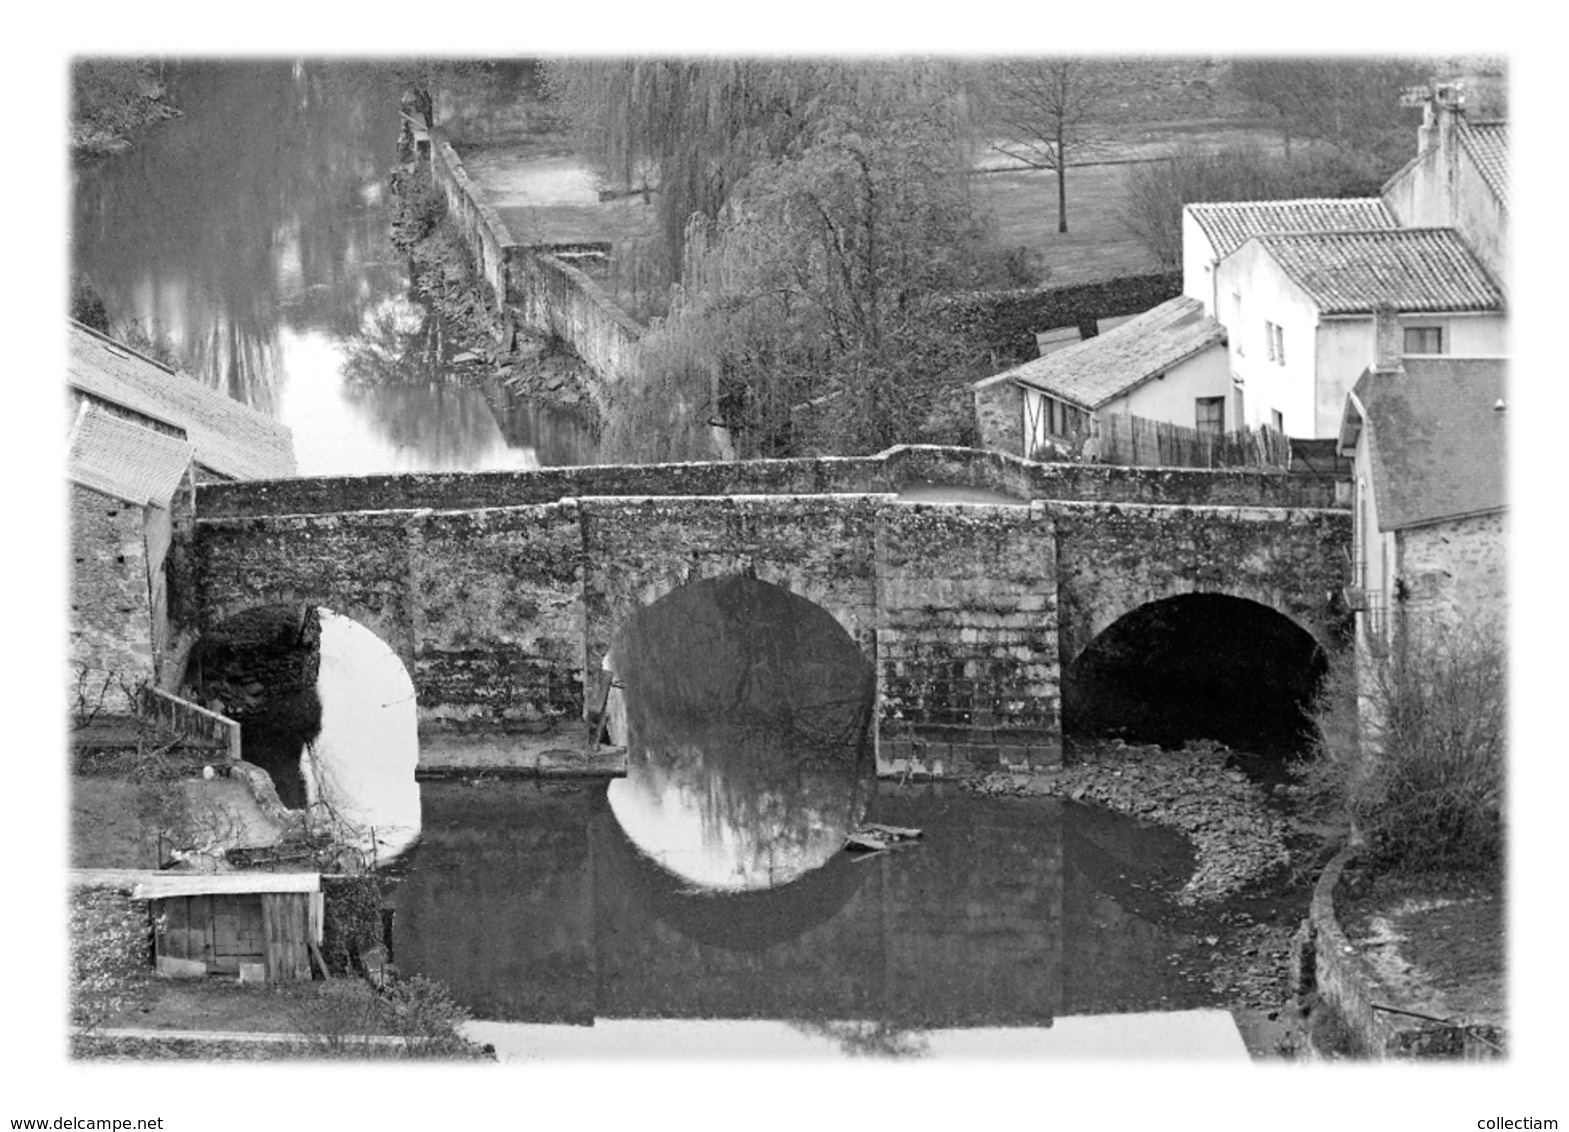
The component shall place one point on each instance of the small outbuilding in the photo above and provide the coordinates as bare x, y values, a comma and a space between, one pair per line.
256, 926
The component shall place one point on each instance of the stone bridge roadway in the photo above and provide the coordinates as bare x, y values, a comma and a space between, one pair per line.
501, 591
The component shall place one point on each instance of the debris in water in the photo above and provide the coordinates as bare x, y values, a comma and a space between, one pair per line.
872, 837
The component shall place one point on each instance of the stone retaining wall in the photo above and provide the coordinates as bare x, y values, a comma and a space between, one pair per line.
551, 296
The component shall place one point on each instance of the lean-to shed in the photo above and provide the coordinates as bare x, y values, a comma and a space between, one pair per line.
253, 925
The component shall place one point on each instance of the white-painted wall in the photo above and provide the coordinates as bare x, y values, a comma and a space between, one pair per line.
1324, 356
1253, 291
1171, 397
1348, 346
1443, 188
1198, 256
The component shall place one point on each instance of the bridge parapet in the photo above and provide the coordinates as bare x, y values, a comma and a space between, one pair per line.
887, 472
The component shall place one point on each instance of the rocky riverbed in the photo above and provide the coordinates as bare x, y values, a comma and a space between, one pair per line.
1255, 863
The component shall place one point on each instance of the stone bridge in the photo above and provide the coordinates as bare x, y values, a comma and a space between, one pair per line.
502, 591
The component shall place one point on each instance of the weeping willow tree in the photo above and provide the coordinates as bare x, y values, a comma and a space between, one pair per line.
689, 131
810, 314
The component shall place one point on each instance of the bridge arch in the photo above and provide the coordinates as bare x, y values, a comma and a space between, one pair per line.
1197, 665
1077, 636
326, 707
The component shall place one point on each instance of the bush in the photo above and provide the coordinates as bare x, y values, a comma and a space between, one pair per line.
346, 1016
1411, 750
110, 941
351, 920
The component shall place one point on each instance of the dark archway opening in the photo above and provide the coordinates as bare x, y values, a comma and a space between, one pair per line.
259, 668
1197, 666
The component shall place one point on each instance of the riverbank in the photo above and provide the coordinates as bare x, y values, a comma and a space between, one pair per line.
111, 99
1253, 875
479, 343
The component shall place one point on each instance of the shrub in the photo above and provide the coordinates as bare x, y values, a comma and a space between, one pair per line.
1411, 749
351, 920
110, 941
344, 1017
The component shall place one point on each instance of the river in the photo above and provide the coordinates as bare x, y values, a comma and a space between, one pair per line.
251, 235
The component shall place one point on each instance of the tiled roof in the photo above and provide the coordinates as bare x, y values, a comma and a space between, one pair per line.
1488, 145
1437, 439
1411, 269
1230, 224
123, 459
1092, 372
232, 439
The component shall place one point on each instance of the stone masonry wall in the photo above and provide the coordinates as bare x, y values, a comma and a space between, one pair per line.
999, 414
556, 298
885, 472
967, 637
483, 231
1456, 573
553, 297
111, 611
1111, 560
503, 614
819, 548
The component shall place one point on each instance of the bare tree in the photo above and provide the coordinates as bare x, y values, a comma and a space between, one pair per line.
1047, 111
1353, 105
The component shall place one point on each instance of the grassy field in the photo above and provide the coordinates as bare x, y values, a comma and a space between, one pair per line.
1095, 246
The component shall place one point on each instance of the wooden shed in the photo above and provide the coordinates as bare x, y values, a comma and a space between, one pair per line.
252, 925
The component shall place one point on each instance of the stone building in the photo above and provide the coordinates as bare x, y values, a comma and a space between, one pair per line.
125, 482
141, 437
1427, 439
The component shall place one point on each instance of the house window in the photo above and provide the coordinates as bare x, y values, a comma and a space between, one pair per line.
1424, 340
1279, 352
1269, 339
1210, 415
1278, 420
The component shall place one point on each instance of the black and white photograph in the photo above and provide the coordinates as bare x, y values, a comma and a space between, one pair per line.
855, 563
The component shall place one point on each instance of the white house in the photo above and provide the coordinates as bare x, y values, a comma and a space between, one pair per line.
1459, 179
1211, 232
1427, 441
1300, 310
1168, 363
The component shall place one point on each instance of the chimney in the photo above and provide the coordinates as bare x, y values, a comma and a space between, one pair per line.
1388, 340
1427, 132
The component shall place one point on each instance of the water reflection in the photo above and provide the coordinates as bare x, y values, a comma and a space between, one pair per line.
529, 901
251, 238
360, 769
747, 710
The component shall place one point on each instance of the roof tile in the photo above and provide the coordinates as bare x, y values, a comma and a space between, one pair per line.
1230, 224
126, 460
1410, 269
231, 438
1093, 372
1488, 145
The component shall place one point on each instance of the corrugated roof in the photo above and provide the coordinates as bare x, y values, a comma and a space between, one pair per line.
1411, 269
1437, 440
1230, 224
1093, 372
231, 439
1488, 145
155, 884
125, 459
